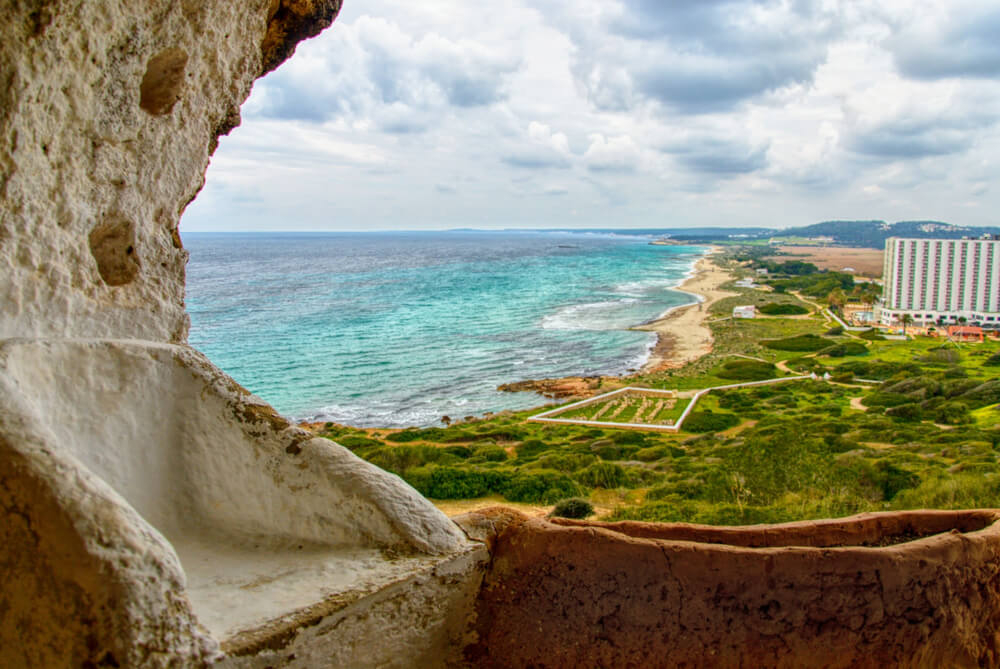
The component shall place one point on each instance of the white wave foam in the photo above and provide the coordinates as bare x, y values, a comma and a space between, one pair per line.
644, 287
590, 316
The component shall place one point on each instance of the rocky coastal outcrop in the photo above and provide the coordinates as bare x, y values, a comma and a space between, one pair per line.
566, 387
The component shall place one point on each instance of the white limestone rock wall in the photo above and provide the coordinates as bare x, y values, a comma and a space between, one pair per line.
116, 439
109, 111
86, 581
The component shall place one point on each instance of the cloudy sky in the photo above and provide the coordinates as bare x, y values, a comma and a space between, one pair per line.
620, 113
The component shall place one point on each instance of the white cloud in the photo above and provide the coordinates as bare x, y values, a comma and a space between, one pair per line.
612, 154
629, 112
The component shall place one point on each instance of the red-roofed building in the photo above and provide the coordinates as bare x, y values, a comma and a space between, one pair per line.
965, 332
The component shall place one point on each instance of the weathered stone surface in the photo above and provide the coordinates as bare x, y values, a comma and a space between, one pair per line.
108, 114
579, 594
155, 513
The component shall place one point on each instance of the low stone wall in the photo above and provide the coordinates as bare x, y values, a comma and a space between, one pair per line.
587, 594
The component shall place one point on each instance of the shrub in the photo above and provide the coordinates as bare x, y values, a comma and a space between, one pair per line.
606, 449
992, 361
941, 356
629, 437
871, 334
746, 370
844, 348
462, 452
953, 413
531, 448
398, 459
456, 483
805, 342
543, 486
410, 434
958, 387
844, 377
574, 507
708, 421
906, 412
893, 480
783, 308
512, 433
355, 442
602, 475
983, 394
834, 331
564, 462
652, 453
970, 490
879, 370
490, 453
781, 459
955, 372
885, 399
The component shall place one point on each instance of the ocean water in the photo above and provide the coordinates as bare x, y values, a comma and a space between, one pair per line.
400, 328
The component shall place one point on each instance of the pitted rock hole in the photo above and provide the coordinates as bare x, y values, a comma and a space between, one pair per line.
161, 85
113, 246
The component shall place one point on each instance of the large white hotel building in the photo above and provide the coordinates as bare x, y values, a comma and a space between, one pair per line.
941, 280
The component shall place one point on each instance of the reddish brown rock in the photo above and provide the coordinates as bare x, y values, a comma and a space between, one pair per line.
570, 386
588, 594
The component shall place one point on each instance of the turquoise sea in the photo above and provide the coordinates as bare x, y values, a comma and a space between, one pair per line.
400, 328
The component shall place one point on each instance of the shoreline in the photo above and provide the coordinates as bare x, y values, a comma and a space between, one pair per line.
682, 335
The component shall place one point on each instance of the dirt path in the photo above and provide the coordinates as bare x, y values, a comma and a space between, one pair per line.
783, 366
857, 405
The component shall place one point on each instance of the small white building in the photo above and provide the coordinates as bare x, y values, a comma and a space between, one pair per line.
745, 283
761, 271
747, 311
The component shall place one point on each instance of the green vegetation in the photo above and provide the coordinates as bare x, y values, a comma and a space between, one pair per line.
574, 507
747, 370
783, 309
926, 434
789, 267
708, 421
806, 342
819, 284
844, 348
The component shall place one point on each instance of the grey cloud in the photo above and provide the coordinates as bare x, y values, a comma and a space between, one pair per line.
912, 139
699, 56
611, 167
717, 155
536, 160
401, 119
372, 63
968, 45
697, 87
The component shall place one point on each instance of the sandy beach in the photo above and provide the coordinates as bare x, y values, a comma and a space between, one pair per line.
683, 335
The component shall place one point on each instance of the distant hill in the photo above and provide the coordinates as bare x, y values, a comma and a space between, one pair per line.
872, 234
865, 234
